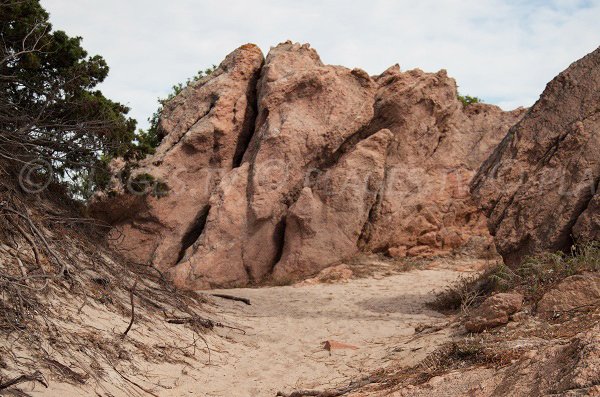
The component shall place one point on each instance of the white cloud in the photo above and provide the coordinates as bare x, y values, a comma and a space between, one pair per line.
502, 51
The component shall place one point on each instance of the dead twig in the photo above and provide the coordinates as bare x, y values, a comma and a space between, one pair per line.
233, 298
131, 293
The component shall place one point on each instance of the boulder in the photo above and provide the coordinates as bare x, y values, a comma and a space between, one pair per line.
539, 187
576, 292
494, 312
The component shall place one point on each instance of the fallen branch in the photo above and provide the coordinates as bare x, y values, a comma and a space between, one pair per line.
131, 292
34, 377
206, 323
233, 298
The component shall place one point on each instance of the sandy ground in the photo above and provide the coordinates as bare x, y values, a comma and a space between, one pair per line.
281, 349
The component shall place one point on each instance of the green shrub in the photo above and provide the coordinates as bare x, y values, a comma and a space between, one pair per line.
468, 100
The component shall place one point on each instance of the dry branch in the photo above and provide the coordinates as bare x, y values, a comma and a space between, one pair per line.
233, 298
131, 292
34, 377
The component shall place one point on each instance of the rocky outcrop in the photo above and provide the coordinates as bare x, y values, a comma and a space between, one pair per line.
326, 221
564, 367
558, 370
337, 162
539, 188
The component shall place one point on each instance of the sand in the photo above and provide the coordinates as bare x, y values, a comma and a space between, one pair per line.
282, 347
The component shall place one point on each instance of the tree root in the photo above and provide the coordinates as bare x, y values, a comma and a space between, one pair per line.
131, 293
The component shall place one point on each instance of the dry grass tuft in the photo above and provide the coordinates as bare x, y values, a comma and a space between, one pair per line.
536, 275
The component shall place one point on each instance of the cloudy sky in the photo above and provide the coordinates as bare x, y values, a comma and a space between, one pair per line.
502, 51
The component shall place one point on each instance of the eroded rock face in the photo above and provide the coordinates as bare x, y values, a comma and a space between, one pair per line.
326, 222
338, 162
555, 368
559, 370
206, 129
539, 188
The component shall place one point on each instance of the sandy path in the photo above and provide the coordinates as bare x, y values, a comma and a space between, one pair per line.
286, 325
282, 347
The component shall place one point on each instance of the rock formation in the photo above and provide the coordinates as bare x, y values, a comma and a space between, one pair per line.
282, 175
539, 188
206, 129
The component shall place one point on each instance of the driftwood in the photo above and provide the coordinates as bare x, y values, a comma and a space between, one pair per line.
233, 298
